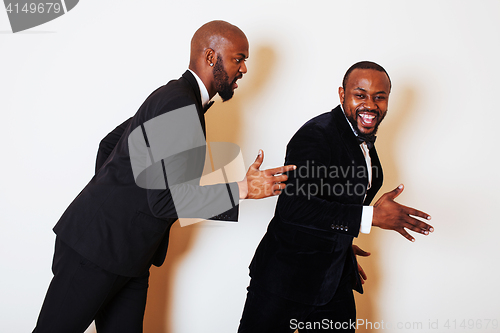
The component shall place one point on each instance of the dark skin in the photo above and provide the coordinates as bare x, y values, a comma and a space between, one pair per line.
219, 39
358, 252
214, 39
365, 100
390, 215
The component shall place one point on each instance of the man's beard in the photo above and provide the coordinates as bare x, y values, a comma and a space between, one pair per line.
222, 84
354, 123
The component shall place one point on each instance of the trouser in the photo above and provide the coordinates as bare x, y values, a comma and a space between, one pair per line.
81, 292
266, 312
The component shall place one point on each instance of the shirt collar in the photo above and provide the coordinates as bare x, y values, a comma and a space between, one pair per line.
203, 90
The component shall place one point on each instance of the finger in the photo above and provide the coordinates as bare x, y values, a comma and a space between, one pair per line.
280, 178
417, 225
362, 273
278, 187
416, 229
359, 252
258, 160
279, 170
417, 213
363, 254
406, 235
396, 192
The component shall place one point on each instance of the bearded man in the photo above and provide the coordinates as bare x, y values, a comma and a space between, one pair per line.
304, 269
147, 174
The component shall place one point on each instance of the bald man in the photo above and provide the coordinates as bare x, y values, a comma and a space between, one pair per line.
147, 173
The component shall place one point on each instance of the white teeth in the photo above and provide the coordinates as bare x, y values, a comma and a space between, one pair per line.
367, 117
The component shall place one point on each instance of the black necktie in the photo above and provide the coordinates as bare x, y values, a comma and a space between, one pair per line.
369, 140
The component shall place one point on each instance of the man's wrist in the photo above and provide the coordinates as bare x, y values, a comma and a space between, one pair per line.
243, 188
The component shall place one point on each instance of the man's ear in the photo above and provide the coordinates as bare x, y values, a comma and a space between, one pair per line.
341, 95
210, 57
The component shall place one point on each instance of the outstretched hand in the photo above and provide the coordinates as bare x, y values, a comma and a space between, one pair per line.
260, 184
388, 214
358, 252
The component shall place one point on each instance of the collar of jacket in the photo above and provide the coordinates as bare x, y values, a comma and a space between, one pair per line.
194, 84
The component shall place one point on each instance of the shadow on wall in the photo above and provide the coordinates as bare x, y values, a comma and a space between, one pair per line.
224, 124
391, 131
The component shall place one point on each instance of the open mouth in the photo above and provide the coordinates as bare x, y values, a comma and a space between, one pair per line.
235, 85
368, 119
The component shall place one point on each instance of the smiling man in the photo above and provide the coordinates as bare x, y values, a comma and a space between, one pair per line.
363, 105
304, 269
116, 228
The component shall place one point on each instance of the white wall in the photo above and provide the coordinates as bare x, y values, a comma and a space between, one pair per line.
102, 59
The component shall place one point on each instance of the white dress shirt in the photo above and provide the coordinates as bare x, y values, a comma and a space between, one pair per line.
205, 98
367, 215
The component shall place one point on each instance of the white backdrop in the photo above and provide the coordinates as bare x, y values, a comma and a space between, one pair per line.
66, 84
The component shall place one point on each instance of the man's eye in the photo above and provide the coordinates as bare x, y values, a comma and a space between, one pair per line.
360, 96
379, 98
238, 60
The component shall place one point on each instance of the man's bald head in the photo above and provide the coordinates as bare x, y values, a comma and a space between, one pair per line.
218, 54
215, 35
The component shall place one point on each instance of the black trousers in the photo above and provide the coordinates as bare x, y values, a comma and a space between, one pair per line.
266, 312
81, 292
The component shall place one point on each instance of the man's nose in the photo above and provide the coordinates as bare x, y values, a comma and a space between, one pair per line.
243, 67
369, 104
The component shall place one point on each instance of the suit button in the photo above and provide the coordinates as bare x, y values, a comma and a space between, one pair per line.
346, 228
332, 226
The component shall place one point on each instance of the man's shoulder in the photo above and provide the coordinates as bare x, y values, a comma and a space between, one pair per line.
320, 120
174, 89
173, 95
328, 121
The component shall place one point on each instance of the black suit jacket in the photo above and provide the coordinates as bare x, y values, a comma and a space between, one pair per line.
120, 226
304, 251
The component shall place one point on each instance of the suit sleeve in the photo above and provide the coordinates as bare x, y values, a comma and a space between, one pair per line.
182, 196
311, 198
109, 142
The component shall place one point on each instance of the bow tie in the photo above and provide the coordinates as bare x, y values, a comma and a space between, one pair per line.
209, 104
369, 140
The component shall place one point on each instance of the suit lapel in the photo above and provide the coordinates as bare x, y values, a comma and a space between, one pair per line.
351, 144
349, 140
348, 137
377, 176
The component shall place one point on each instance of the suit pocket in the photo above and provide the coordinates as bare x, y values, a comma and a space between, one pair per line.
314, 242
